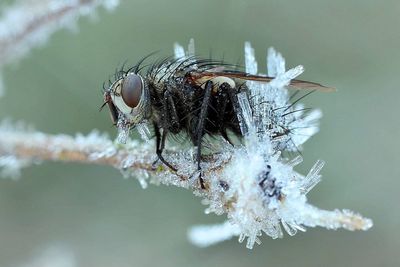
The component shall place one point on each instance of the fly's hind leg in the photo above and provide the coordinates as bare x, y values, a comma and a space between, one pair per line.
200, 127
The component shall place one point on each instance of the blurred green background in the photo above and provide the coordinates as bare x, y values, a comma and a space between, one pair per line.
106, 220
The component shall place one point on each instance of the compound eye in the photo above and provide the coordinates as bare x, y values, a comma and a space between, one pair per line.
131, 90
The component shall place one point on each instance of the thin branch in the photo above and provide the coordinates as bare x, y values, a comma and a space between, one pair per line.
99, 149
64, 148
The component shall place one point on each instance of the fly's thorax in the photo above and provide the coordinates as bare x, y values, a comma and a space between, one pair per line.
171, 72
130, 95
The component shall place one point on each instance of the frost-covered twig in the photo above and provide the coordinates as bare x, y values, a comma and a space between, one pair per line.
20, 147
29, 23
251, 183
229, 177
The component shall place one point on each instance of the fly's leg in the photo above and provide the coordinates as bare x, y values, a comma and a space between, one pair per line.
222, 101
170, 111
200, 127
171, 122
160, 140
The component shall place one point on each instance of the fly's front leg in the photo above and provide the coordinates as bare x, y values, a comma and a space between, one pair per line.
170, 122
200, 126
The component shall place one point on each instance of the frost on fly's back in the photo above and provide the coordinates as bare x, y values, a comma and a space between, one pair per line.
258, 189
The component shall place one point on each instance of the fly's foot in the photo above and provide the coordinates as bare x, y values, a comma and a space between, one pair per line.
201, 180
199, 175
154, 164
166, 163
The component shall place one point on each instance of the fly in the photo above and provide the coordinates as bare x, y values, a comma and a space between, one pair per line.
191, 95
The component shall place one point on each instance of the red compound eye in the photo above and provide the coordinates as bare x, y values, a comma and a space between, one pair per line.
131, 90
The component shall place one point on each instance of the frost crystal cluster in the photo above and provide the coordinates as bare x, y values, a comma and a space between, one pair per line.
258, 189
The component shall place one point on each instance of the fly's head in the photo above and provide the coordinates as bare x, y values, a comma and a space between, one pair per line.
128, 100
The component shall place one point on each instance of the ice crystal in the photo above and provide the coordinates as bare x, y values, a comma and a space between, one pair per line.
10, 166
180, 53
123, 131
204, 235
144, 131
